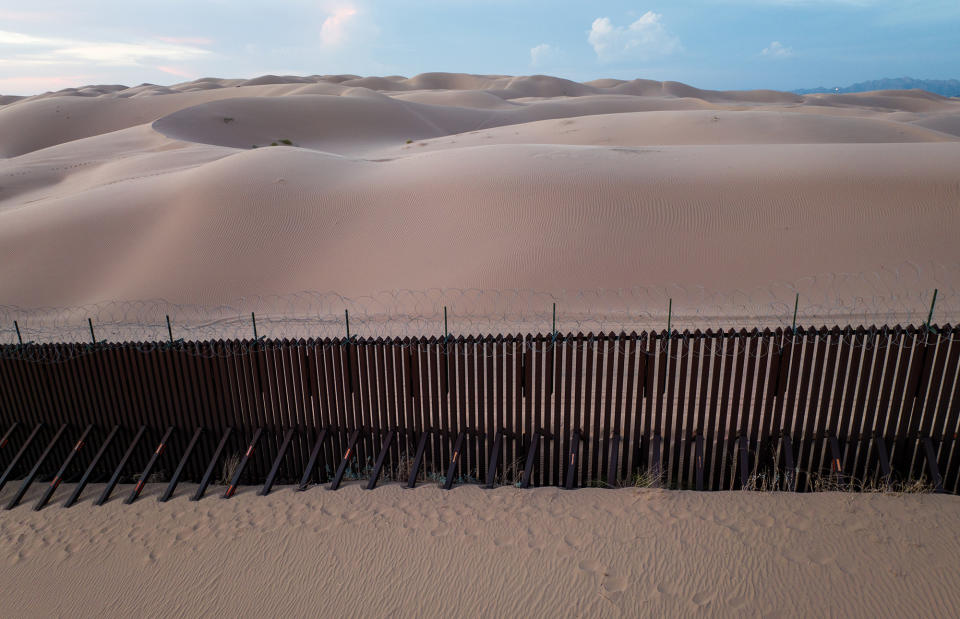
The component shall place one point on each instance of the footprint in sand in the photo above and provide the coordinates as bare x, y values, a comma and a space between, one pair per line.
763, 521
613, 584
737, 602
702, 598
821, 556
578, 541
591, 566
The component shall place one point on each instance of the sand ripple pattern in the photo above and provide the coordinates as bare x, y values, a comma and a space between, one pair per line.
472, 552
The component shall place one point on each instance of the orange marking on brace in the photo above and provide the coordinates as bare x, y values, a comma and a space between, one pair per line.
4, 443
55, 482
230, 491
160, 449
346, 456
139, 486
78, 446
249, 450
455, 454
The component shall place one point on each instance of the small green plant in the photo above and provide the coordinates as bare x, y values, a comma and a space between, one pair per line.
227, 120
409, 141
286, 142
254, 146
646, 479
274, 144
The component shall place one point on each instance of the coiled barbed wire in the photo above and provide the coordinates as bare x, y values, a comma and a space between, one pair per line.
799, 309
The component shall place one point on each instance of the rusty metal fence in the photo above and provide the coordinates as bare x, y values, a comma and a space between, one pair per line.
710, 410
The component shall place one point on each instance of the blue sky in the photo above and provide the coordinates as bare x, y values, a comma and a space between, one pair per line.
723, 44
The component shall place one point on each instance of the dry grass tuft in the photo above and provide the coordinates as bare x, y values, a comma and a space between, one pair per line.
229, 468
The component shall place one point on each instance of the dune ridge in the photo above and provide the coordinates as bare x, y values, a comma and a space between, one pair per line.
464, 181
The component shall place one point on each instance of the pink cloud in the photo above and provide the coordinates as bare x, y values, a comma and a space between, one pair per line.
34, 85
30, 15
175, 71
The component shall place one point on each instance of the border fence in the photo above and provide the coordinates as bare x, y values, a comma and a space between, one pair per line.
697, 410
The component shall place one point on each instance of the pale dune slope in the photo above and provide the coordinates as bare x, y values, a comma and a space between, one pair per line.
468, 552
551, 217
653, 128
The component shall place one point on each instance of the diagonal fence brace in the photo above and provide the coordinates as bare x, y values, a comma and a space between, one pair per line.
36, 469
90, 468
312, 462
163, 498
381, 457
342, 469
448, 482
232, 488
16, 459
45, 497
150, 463
105, 495
267, 485
494, 457
208, 474
418, 458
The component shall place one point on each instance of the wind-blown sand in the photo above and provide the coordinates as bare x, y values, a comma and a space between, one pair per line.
113, 193
492, 553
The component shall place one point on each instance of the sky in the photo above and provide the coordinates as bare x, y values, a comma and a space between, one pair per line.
718, 44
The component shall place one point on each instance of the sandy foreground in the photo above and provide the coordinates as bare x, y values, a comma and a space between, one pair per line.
451, 181
474, 552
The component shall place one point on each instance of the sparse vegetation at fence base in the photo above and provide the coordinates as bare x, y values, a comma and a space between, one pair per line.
230, 465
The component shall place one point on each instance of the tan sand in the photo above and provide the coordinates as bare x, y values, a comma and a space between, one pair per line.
112, 194
474, 552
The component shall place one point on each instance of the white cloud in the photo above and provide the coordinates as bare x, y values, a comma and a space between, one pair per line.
777, 50
644, 39
48, 50
543, 54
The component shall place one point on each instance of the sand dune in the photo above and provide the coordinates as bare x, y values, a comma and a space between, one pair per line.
464, 181
545, 552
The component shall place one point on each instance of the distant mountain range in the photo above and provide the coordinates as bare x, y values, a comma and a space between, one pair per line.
947, 88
